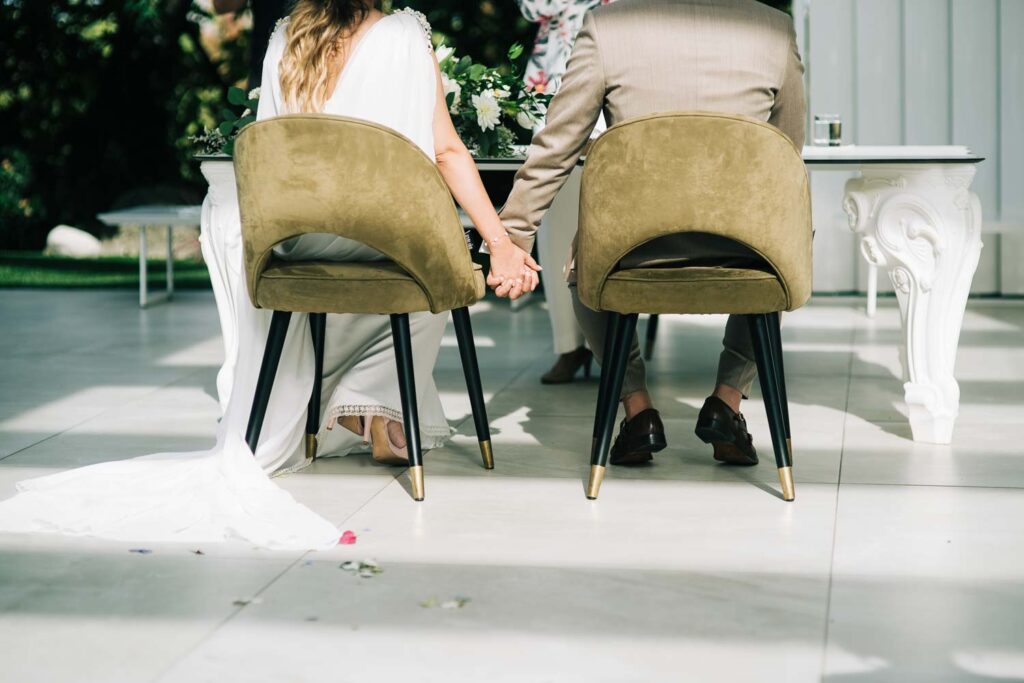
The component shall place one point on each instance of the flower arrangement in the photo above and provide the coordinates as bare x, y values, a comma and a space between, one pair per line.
221, 140
492, 110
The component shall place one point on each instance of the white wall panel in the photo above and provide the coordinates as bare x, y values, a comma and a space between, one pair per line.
879, 72
975, 109
922, 72
878, 87
831, 72
1011, 161
926, 65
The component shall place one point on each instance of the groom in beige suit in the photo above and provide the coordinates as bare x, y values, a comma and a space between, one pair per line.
638, 57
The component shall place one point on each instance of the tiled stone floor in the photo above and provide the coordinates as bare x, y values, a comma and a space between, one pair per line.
897, 562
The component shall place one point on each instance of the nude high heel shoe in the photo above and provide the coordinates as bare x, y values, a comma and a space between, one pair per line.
384, 449
356, 424
375, 432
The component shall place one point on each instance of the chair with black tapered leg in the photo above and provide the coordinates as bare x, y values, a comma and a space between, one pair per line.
775, 328
314, 173
652, 336
603, 390
318, 331
727, 176
265, 382
773, 388
467, 350
612, 375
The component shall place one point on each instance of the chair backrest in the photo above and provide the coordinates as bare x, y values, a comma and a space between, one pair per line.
725, 175
315, 173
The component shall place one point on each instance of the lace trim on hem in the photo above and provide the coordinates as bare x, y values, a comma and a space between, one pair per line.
293, 469
382, 411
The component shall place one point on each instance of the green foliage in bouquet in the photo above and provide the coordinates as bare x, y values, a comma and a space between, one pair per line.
221, 140
490, 107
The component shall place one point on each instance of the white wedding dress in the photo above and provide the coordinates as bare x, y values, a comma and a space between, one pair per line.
225, 492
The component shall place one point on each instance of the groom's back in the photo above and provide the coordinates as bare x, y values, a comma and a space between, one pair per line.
730, 56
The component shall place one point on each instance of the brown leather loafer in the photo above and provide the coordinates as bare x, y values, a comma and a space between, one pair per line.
639, 439
726, 430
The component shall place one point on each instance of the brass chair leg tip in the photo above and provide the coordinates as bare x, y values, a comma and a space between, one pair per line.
594, 485
786, 480
487, 453
311, 446
416, 479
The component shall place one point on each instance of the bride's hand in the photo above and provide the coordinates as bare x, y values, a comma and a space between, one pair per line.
513, 271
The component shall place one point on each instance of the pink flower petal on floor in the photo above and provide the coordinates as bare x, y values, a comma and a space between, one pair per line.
347, 538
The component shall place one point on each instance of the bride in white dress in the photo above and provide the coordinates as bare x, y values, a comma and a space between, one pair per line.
338, 57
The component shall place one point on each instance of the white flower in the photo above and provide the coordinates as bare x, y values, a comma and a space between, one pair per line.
245, 113
443, 52
525, 120
254, 94
487, 112
500, 94
530, 119
452, 86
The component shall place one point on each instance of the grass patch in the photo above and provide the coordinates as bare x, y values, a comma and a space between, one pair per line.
33, 269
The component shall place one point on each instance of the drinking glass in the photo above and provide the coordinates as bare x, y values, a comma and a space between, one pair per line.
828, 130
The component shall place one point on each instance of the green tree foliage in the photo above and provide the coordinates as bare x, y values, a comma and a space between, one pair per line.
98, 99
101, 97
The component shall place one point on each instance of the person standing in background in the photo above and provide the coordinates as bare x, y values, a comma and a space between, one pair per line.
560, 21
265, 15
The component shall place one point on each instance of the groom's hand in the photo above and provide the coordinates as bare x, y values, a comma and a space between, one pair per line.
513, 278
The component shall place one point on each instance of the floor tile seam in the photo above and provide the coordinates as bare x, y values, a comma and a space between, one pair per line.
393, 480
269, 584
831, 576
835, 522
979, 487
227, 619
107, 410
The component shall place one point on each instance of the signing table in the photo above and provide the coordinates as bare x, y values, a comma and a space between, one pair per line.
911, 206
154, 216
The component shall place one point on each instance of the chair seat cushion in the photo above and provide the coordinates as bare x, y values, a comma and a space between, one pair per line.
381, 287
693, 290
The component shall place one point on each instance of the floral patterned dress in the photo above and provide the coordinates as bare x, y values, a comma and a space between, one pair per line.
560, 21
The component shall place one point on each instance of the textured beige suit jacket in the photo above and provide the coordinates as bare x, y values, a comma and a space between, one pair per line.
637, 57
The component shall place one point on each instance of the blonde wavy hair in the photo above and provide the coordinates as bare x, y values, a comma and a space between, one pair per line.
315, 32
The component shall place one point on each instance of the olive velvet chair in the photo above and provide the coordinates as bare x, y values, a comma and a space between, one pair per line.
314, 173
731, 176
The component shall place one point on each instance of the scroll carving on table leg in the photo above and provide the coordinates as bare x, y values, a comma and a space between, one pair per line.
923, 225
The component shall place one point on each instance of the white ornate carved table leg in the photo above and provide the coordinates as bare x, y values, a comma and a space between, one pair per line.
922, 224
221, 240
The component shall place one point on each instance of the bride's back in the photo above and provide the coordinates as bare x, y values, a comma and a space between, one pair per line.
387, 75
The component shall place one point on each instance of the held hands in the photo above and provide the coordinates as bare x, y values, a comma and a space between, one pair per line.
513, 271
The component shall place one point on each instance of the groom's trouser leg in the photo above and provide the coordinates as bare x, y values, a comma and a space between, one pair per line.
736, 366
554, 242
594, 325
